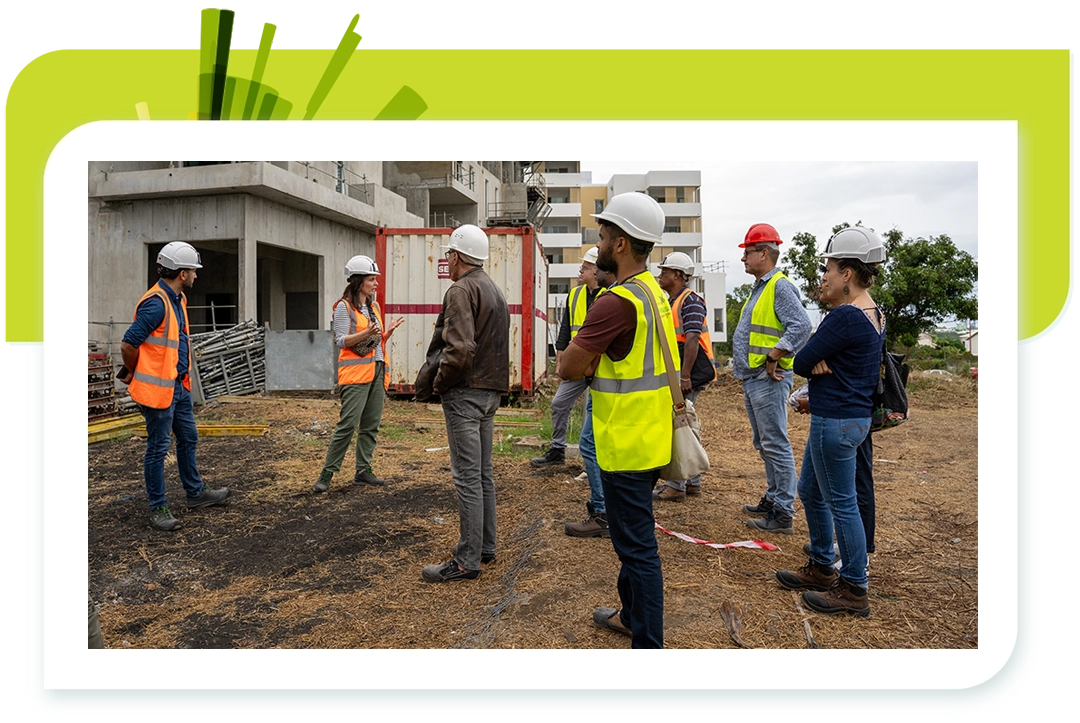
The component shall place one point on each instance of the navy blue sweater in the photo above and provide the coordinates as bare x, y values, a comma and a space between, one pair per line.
851, 346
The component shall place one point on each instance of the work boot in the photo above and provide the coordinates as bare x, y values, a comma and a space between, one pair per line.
324, 482
554, 455
664, 493
810, 576
693, 490
367, 478
595, 525
843, 597
208, 497
162, 519
775, 521
761, 508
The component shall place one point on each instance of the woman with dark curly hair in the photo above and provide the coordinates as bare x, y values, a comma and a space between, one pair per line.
842, 359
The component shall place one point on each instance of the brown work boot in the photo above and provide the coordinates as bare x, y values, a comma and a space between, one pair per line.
810, 576
842, 598
693, 489
592, 526
668, 494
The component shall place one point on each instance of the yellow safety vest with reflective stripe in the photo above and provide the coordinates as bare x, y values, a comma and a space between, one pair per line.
765, 327
154, 380
680, 335
578, 306
631, 398
356, 369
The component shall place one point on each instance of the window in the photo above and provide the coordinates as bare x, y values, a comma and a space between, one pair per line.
559, 288
556, 229
552, 198
598, 205
672, 225
680, 195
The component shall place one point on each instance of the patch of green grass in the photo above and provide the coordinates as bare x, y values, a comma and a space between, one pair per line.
394, 432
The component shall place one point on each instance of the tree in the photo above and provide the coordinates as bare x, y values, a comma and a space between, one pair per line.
923, 281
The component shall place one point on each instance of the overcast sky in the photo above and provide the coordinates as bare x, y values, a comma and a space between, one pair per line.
921, 199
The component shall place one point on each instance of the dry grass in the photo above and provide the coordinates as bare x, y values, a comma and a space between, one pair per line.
282, 568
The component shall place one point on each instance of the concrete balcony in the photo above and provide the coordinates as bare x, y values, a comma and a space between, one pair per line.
564, 271
681, 240
257, 178
681, 210
565, 210
661, 179
560, 240
568, 180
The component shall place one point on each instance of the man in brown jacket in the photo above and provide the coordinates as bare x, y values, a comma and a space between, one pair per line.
472, 375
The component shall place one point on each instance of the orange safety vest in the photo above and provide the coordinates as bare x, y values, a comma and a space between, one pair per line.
353, 368
154, 380
680, 335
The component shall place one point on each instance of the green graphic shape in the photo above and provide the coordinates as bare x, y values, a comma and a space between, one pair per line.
216, 35
341, 56
61, 91
406, 105
260, 67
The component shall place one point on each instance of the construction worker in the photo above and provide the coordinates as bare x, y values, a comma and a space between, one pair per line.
619, 346
157, 360
472, 374
577, 303
695, 350
595, 523
772, 327
362, 373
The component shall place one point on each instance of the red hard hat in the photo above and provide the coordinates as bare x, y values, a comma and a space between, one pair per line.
761, 233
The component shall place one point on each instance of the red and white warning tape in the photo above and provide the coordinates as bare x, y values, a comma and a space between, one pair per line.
752, 544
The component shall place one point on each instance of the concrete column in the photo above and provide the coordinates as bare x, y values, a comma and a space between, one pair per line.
272, 283
247, 253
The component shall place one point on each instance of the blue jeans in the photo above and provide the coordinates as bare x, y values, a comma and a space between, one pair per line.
864, 488
641, 581
682, 484
827, 491
587, 447
470, 424
766, 406
180, 419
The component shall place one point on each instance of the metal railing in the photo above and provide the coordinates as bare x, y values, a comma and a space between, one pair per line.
465, 175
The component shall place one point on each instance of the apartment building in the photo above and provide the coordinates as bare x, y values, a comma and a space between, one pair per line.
569, 229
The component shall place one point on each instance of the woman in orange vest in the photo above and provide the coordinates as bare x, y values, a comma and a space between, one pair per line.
361, 372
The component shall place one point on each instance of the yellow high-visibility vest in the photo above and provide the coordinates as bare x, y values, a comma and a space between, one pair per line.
631, 398
765, 326
578, 305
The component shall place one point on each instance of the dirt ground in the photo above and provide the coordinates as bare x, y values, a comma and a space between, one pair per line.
279, 567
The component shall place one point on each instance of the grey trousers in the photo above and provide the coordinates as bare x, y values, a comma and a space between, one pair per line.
682, 484
561, 404
470, 424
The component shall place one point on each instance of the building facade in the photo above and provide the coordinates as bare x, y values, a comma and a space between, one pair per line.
274, 235
569, 230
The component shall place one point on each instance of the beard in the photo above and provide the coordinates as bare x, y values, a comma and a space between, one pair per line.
605, 261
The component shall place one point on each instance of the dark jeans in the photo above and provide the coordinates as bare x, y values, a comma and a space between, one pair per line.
864, 487
180, 419
470, 424
628, 497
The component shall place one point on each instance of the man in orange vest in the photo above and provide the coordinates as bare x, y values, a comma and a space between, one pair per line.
157, 358
695, 350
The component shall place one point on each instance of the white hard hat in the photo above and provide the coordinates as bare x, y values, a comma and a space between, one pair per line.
590, 256
680, 262
469, 240
856, 242
179, 255
362, 265
635, 213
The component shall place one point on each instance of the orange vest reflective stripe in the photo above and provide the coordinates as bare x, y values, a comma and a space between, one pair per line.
680, 335
154, 380
353, 368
